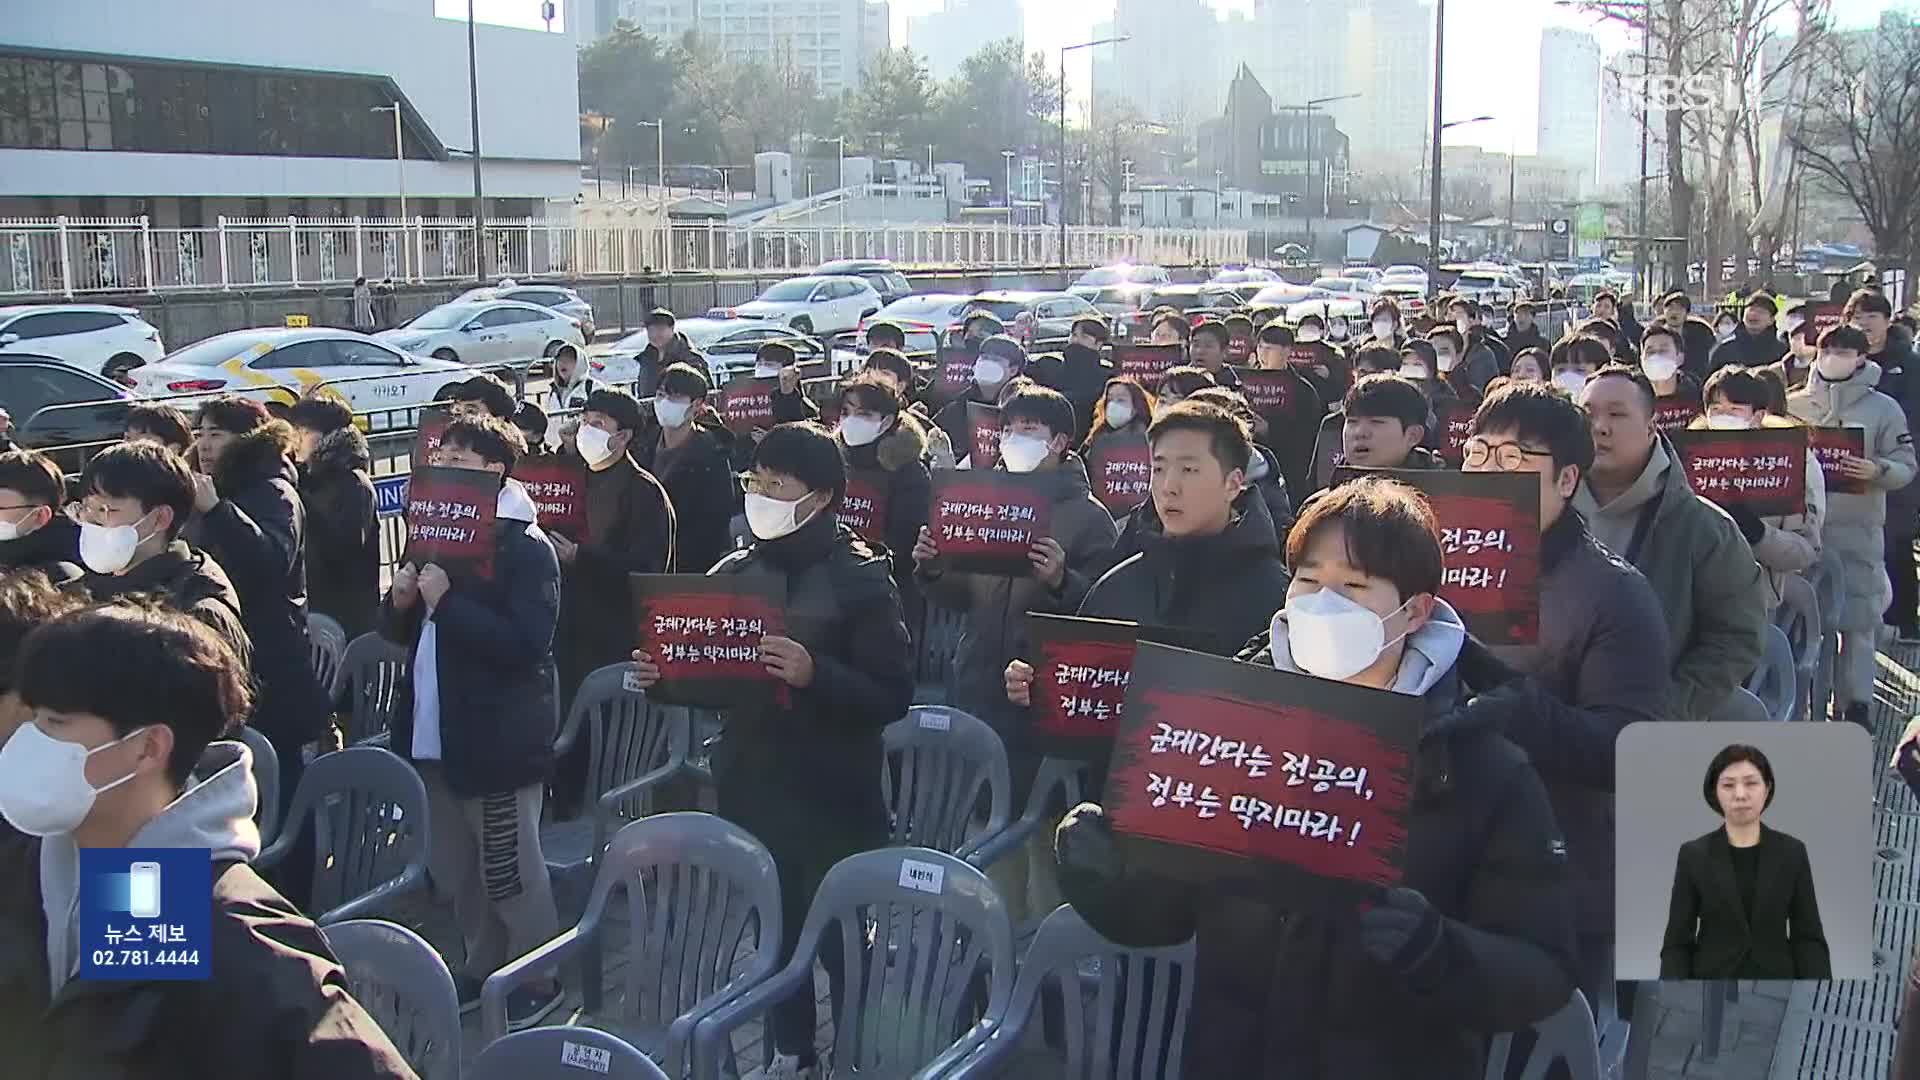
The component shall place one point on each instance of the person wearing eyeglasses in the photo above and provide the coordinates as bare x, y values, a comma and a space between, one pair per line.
1597, 664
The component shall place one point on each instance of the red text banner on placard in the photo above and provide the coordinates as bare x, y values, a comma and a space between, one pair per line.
1121, 469
450, 516
987, 521
1239, 349
1148, 364
956, 370
704, 632
558, 487
983, 427
1081, 671
864, 510
1829, 446
1454, 419
1307, 355
746, 404
1674, 413
1764, 470
1824, 317
1271, 393
1225, 772
431, 425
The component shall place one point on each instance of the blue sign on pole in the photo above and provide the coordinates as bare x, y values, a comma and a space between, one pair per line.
390, 495
146, 913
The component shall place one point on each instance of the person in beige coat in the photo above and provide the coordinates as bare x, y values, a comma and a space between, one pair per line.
1737, 398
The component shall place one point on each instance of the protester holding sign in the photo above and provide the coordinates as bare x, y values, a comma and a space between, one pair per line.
1263, 467
1116, 453
482, 394
1000, 360
1697, 337
1319, 363
1386, 329
1170, 328
692, 456
1676, 392
1756, 341
1574, 361
476, 716
157, 726
1329, 444
1597, 664
803, 777
1476, 939
1207, 350
1637, 502
1383, 426
343, 525
885, 446
1454, 372
1079, 371
1478, 355
1890, 345
1738, 399
1842, 393
1288, 401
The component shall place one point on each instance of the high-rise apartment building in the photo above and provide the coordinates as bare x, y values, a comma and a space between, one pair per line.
1570, 90
960, 28
831, 39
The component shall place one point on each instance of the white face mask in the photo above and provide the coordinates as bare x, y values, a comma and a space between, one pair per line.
1414, 372
43, 781
1307, 333
1383, 328
1446, 361
989, 373
1023, 453
107, 549
1333, 637
766, 371
1724, 333
1660, 366
1119, 414
771, 518
671, 414
1463, 325
1793, 322
860, 430
1834, 369
13, 530
1720, 421
595, 445
1572, 382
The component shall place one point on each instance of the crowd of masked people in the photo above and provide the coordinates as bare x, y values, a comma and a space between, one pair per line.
187, 558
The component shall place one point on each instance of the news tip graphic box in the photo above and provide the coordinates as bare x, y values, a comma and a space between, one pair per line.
1242, 777
1081, 670
1763, 470
146, 913
704, 631
558, 487
450, 517
987, 522
1148, 364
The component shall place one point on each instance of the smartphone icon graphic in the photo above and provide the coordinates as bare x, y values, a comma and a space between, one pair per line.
144, 895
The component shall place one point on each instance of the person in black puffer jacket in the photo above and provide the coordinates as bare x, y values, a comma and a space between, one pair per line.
343, 524
885, 444
1477, 938
692, 454
803, 778
44, 538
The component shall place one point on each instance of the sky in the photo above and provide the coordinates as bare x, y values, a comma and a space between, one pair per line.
1477, 32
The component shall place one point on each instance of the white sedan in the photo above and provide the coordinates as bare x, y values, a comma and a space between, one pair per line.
97, 338
279, 365
489, 332
820, 305
728, 344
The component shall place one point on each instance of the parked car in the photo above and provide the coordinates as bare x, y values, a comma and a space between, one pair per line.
1496, 288
1404, 272
1286, 294
1351, 288
558, 297
55, 404
1245, 275
1119, 301
728, 344
1118, 274
1190, 300
488, 332
890, 283
1410, 295
1362, 273
97, 338
924, 317
816, 304
1035, 319
275, 364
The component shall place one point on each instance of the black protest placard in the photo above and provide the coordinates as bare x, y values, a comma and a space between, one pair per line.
1239, 349
558, 487
427, 432
1824, 316
450, 520
1452, 427
986, 520
746, 404
956, 372
1120, 468
704, 631
1148, 364
1830, 446
1239, 776
1279, 395
1674, 413
864, 509
1763, 469
1081, 669
983, 435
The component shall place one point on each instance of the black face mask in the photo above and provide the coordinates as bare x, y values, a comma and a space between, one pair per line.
1077, 351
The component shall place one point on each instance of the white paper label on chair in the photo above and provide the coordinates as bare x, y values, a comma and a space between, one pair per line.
630, 682
923, 877
580, 1056
936, 720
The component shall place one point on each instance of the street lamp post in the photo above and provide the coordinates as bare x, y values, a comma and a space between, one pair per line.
479, 200
1219, 183
1064, 50
1433, 192
1314, 147
659, 147
1433, 254
400, 169
1009, 156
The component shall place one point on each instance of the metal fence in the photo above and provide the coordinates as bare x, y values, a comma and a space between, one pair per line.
72, 256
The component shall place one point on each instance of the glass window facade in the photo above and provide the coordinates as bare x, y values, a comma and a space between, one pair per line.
168, 107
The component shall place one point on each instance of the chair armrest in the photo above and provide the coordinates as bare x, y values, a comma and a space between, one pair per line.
413, 877
493, 993
680, 1033
711, 1032
610, 800
989, 847
271, 855
980, 1052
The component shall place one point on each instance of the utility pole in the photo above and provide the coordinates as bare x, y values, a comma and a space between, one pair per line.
479, 199
1433, 180
1643, 273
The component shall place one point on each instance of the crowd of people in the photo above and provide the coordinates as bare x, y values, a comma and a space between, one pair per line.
192, 553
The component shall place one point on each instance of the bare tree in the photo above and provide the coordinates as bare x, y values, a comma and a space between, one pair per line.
1861, 132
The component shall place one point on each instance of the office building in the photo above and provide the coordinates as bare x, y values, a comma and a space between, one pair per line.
1165, 71
1379, 50
1569, 118
1289, 152
944, 38
829, 39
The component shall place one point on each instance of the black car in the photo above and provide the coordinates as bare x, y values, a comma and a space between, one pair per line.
1193, 301
890, 283
54, 404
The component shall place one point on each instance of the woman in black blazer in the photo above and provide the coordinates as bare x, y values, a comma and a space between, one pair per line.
1743, 904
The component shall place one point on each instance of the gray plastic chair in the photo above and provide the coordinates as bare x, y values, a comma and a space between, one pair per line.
1566, 1036
1145, 994
1741, 706
404, 984
266, 782
1773, 681
939, 764
328, 642
1798, 617
927, 951
562, 1053
368, 688
633, 746
370, 831
1829, 580
939, 645
703, 914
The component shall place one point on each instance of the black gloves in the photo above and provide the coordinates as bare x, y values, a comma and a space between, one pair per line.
1083, 843
1750, 524
1481, 670
1405, 934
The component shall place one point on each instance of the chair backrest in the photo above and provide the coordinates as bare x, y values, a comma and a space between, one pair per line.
329, 644
1741, 706
560, 1053
940, 762
1799, 617
1566, 1036
369, 812
703, 908
368, 688
1134, 1027
627, 735
1829, 579
404, 984
939, 644
1774, 681
927, 948
266, 782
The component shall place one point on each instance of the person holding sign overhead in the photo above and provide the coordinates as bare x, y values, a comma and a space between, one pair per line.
476, 716
1842, 393
885, 445
1476, 938
1637, 501
803, 776
1738, 399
